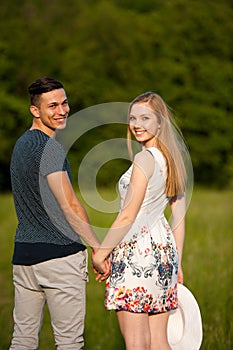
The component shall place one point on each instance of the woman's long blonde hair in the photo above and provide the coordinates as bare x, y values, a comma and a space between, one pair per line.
169, 142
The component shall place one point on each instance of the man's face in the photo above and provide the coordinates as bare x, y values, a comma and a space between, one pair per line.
52, 112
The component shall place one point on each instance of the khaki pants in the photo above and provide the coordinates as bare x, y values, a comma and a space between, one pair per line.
62, 284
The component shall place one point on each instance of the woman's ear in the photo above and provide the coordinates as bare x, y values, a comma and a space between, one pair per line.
35, 111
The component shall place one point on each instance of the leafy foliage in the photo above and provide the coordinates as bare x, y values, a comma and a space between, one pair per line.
108, 51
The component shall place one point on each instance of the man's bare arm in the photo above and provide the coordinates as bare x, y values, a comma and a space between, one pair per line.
73, 210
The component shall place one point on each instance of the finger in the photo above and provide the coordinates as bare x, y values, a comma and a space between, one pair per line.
94, 270
105, 276
99, 277
102, 277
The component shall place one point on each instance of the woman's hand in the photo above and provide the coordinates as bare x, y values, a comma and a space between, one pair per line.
180, 275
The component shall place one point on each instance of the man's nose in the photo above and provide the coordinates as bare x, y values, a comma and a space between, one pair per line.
61, 110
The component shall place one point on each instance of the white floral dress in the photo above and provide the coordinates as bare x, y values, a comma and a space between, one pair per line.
144, 265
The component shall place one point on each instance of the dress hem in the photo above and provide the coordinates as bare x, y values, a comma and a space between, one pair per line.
150, 313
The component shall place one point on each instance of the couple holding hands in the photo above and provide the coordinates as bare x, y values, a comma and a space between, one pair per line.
141, 255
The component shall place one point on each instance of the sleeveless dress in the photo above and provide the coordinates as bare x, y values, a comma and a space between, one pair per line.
144, 265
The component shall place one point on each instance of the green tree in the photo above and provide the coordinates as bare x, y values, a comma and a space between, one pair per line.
107, 51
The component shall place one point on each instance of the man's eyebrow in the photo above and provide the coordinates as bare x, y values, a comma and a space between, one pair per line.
52, 102
56, 103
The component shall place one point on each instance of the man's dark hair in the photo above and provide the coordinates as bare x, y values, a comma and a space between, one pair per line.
41, 86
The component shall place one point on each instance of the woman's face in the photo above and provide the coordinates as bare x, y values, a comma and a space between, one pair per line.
143, 123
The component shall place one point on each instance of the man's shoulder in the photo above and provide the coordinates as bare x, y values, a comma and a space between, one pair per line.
32, 135
29, 146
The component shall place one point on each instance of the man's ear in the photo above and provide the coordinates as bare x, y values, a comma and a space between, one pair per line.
35, 111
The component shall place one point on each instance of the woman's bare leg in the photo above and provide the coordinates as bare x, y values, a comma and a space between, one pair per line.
135, 330
158, 331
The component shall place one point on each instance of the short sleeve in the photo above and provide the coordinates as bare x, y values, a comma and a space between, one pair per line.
53, 158
146, 162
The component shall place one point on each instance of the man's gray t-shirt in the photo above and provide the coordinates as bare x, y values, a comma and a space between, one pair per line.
42, 233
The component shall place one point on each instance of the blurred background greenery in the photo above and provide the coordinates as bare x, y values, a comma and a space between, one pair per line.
207, 265
108, 51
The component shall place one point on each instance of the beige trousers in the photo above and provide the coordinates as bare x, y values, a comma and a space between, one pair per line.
62, 284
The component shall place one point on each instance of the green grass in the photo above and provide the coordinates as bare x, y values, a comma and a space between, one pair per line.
207, 264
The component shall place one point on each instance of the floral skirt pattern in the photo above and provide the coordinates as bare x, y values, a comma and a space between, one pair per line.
144, 271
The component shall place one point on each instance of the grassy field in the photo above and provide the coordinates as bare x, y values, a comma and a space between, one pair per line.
208, 270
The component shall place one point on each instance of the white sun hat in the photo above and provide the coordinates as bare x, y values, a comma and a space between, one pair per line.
185, 324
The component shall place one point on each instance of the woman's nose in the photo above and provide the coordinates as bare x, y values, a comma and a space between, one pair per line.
138, 123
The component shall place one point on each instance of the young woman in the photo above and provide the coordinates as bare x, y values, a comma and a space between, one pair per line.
145, 253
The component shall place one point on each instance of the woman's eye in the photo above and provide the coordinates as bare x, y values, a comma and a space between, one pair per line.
131, 119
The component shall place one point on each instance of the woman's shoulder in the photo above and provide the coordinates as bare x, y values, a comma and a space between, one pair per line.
145, 161
156, 153
143, 155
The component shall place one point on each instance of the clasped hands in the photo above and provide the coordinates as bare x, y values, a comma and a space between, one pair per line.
101, 266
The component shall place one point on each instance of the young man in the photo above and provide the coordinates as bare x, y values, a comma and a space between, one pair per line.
50, 260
